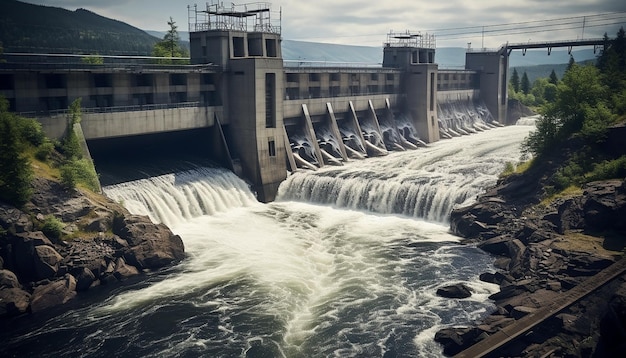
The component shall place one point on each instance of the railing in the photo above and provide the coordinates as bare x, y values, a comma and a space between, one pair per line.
325, 64
116, 109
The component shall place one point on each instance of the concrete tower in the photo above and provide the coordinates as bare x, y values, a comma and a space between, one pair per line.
415, 55
492, 68
245, 41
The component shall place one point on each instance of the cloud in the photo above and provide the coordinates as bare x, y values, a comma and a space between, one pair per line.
366, 22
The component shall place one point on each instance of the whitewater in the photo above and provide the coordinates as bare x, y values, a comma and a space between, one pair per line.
345, 263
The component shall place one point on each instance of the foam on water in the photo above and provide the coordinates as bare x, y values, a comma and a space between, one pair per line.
295, 279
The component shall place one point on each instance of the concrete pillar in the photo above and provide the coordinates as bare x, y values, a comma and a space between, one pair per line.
492, 68
335, 130
310, 132
421, 101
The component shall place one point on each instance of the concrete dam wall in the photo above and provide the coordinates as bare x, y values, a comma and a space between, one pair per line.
252, 114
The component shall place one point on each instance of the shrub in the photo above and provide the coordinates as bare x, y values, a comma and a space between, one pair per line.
69, 177
52, 227
44, 151
30, 130
79, 171
609, 169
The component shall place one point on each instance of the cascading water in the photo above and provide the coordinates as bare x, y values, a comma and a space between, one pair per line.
462, 117
426, 184
328, 145
292, 279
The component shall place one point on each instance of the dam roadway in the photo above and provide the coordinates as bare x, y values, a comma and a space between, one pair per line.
513, 331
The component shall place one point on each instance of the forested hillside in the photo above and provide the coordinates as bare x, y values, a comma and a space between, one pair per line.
35, 28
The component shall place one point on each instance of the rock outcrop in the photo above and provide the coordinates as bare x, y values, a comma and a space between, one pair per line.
102, 244
540, 253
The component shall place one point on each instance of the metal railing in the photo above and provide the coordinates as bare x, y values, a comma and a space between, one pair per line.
115, 109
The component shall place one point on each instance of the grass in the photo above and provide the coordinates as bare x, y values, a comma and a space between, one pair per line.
604, 244
511, 169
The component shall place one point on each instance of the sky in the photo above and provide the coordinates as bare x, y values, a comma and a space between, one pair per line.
455, 23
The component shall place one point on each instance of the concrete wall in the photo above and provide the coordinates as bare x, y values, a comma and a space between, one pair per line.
317, 106
460, 95
421, 100
127, 123
108, 125
492, 67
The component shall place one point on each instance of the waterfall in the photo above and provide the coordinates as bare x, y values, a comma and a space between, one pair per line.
427, 183
177, 197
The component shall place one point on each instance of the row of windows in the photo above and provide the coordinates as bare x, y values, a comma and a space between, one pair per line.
457, 76
337, 91
334, 76
103, 80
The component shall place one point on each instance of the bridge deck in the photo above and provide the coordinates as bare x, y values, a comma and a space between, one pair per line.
519, 327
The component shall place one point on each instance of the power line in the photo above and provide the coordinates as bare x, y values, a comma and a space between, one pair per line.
515, 28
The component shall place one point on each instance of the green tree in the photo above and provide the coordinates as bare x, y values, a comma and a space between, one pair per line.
579, 89
93, 60
570, 63
553, 78
612, 63
170, 45
70, 145
515, 80
15, 171
525, 84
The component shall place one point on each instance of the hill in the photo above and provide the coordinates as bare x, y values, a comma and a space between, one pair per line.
35, 28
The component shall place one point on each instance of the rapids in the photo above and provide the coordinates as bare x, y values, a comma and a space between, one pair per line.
343, 264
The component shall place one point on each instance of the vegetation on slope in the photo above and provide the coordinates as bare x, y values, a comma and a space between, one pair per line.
35, 28
25, 152
588, 100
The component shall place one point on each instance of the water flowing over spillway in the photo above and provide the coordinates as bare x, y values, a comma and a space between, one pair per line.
426, 183
296, 278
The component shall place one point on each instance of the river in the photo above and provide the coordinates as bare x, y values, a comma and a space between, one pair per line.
345, 263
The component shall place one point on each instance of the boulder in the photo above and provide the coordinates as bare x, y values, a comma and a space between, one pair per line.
84, 279
13, 301
13, 219
151, 245
123, 270
23, 259
8, 279
47, 261
605, 205
53, 294
521, 311
458, 290
454, 340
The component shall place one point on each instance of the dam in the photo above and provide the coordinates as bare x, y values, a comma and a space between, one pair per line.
258, 116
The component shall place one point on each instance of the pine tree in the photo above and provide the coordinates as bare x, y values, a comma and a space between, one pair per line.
525, 84
515, 80
571, 62
553, 78
170, 45
15, 170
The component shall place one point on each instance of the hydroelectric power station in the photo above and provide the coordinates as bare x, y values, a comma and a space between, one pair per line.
259, 116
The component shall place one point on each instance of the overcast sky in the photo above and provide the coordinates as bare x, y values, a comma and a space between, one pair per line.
367, 22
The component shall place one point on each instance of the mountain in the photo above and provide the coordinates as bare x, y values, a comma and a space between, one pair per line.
446, 57
36, 28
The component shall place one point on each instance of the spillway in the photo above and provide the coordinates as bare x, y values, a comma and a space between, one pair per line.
346, 263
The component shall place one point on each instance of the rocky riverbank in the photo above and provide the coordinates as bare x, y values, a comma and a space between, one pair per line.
542, 251
100, 244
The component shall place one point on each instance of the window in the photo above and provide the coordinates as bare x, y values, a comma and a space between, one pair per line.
271, 144
270, 100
